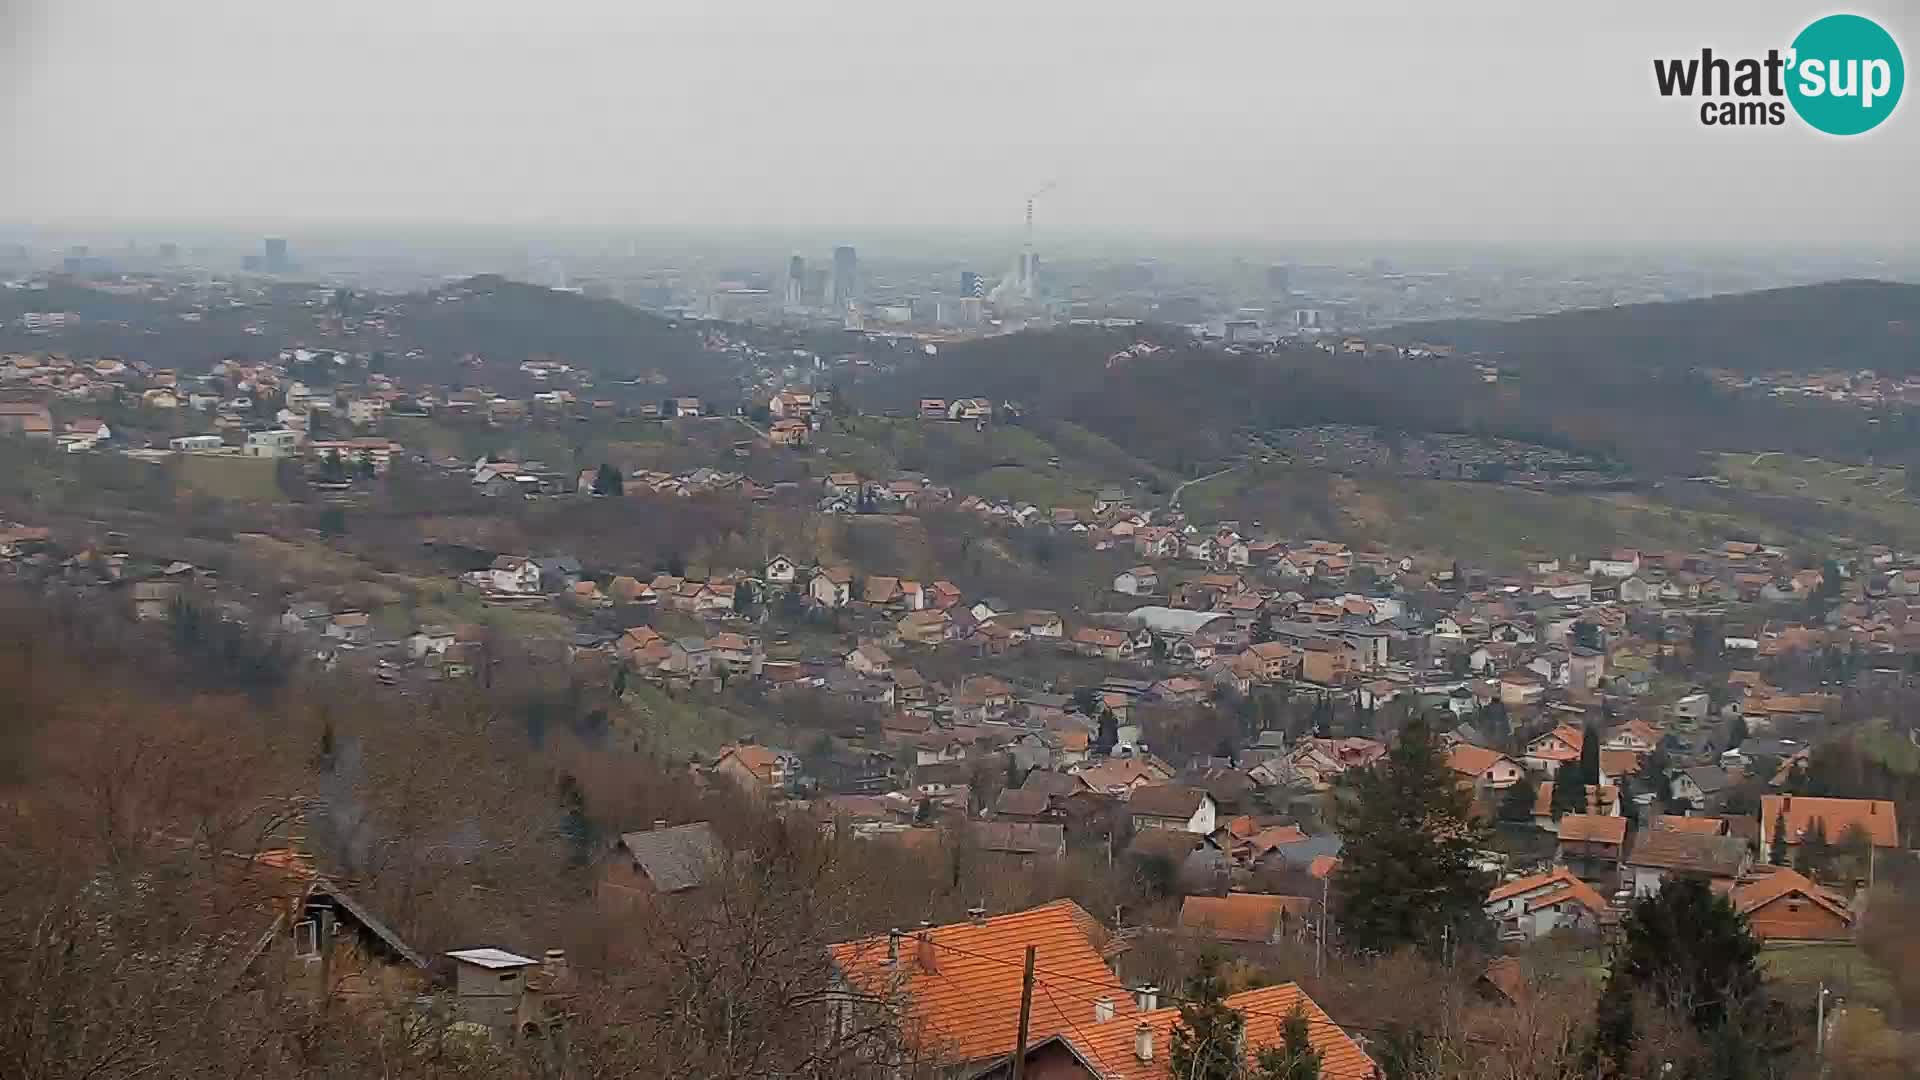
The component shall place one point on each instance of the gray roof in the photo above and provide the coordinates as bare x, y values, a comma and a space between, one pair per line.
1716, 856
1708, 778
674, 859
1019, 837
1166, 620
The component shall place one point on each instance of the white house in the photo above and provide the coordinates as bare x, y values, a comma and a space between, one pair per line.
832, 587
780, 570
1620, 563
515, 574
1533, 907
1138, 581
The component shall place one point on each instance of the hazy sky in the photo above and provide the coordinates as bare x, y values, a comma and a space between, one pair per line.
1529, 120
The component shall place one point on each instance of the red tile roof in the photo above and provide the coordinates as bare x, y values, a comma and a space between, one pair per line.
1837, 815
962, 983
1110, 1046
1240, 916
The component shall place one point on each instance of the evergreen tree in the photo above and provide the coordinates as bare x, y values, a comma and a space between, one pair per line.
1815, 858
1590, 755
1263, 628
1295, 1058
1208, 1036
608, 481
1494, 721
1569, 795
1687, 951
1109, 734
1736, 732
1517, 803
1777, 847
1407, 874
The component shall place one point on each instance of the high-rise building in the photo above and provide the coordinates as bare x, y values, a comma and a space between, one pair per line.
971, 285
845, 276
275, 252
796, 281
1279, 279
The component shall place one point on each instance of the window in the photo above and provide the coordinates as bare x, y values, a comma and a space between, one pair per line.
306, 938
509, 976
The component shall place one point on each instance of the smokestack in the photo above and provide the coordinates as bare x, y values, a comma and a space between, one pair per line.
977, 915
893, 946
1147, 998
1143, 1042
1103, 1010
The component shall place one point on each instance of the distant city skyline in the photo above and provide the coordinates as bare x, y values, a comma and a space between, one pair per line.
1485, 122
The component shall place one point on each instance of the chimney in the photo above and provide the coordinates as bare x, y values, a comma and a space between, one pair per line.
554, 965
1103, 1010
893, 946
1143, 1042
1146, 998
977, 915
659, 823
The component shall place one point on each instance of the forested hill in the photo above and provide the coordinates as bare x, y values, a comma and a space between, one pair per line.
1847, 325
496, 317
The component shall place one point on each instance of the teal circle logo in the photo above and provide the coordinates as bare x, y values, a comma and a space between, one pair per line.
1846, 75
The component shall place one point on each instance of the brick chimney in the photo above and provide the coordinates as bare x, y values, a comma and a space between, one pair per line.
659, 823
1143, 1042
1103, 1010
554, 966
977, 915
1147, 998
893, 946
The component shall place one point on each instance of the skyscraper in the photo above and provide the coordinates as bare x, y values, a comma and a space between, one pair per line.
845, 269
796, 281
275, 251
971, 285
1279, 279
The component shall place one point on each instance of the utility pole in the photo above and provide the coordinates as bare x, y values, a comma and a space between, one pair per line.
1026, 1010
1320, 939
1820, 1026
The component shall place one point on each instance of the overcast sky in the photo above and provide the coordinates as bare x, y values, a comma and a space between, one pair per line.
1509, 122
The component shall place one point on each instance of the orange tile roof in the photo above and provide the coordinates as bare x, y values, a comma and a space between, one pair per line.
1837, 815
1559, 882
1708, 826
1240, 916
1593, 829
1750, 896
1110, 1046
1470, 760
962, 984
1598, 798
1323, 866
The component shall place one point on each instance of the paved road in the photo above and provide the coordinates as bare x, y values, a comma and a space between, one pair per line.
1173, 501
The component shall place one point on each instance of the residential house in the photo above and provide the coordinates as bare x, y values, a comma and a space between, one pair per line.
1602, 799
736, 654
515, 574
661, 860
1486, 770
780, 570
1251, 918
1137, 1047
1172, 806
961, 985
1699, 785
352, 627
1660, 855
924, 627
1561, 746
430, 639
1019, 844
1120, 777
1783, 907
1534, 906
1106, 644
832, 587
1874, 817
1592, 845
871, 661
757, 770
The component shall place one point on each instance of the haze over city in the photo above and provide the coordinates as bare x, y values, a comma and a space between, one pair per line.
1478, 123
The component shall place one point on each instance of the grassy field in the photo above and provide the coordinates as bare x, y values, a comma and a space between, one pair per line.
1058, 464
1844, 969
1870, 502
229, 477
